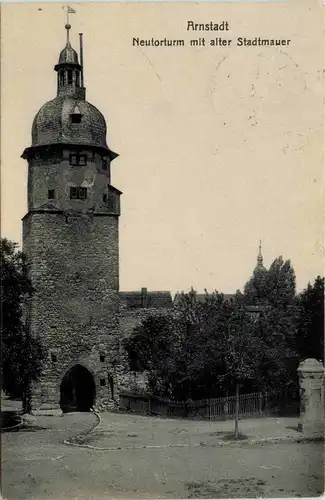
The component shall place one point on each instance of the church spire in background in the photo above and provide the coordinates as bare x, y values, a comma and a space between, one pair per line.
260, 256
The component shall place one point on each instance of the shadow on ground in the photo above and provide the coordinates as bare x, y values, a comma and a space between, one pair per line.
229, 436
294, 428
9, 420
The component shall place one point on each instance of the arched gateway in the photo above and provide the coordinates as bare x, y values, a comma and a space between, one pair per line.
77, 390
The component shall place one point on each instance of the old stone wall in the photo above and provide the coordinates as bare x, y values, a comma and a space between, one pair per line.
75, 308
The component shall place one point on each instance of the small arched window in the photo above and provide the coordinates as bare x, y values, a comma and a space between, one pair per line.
61, 77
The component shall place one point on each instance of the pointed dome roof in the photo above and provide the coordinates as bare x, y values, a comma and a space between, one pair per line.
69, 119
53, 125
68, 55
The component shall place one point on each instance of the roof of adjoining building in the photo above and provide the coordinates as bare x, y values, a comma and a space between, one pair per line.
201, 297
146, 299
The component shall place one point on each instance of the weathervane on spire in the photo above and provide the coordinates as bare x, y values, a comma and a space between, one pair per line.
68, 10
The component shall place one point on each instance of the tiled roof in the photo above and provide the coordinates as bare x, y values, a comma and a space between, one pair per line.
52, 125
146, 299
200, 297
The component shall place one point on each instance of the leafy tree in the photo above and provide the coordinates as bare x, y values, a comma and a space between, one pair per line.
275, 286
255, 290
239, 297
199, 345
212, 347
14, 286
188, 359
192, 353
22, 355
149, 348
276, 323
276, 330
146, 341
172, 349
281, 283
310, 333
241, 353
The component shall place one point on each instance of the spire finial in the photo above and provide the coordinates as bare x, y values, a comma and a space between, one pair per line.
68, 10
68, 27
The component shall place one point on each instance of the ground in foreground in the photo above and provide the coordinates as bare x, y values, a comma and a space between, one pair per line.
36, 464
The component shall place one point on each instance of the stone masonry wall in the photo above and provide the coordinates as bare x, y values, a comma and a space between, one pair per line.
52, 170
75, 308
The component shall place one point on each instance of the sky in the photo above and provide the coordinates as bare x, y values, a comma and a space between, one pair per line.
219, 146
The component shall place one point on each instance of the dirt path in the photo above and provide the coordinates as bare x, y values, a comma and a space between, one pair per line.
37, 465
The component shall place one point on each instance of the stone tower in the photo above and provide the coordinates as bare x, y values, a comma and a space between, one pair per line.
70, 235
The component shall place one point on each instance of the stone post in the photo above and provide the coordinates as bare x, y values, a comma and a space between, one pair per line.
311, 381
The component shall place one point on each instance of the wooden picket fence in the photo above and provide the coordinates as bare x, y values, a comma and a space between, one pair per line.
256, 404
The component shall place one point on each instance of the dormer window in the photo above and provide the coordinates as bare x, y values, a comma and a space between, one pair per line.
78, 159
76, 115
76, 118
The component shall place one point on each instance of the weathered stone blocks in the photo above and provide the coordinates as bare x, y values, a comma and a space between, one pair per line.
75, 308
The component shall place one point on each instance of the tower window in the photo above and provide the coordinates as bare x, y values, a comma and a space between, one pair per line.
78, 159
104, 164
102, 358
51, 194
77, 79
105, 198
102, 382
61, 77
54, 357
78, 193
69, 76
